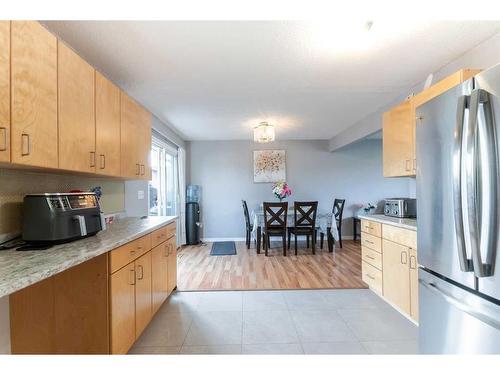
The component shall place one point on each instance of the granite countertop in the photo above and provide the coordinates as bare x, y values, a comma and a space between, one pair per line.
19, 269
397, 222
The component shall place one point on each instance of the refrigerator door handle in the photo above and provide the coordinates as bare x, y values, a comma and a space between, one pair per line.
481, 183
458, 174
459, 304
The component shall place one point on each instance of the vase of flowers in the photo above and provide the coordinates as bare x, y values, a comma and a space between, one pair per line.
281, 190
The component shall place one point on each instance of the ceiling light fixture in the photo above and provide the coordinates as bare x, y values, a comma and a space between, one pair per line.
263, 133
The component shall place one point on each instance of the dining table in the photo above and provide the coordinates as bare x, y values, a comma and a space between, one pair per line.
324, 224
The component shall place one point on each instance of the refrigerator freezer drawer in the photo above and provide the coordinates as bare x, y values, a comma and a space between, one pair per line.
455, 321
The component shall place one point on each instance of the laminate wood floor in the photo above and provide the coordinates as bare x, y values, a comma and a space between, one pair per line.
198, 270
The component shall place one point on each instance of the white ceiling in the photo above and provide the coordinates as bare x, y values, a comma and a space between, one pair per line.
218, 79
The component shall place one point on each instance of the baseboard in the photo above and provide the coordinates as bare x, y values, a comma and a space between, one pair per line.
220, 239
242, 239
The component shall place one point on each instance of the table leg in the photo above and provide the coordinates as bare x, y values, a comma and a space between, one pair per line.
330, 239
354, 229
258, 239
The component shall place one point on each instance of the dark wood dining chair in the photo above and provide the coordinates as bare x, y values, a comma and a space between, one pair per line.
304, 217
248, 224
275, 217
338, 211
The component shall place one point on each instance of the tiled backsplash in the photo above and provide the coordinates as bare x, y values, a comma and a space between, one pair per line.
14, 184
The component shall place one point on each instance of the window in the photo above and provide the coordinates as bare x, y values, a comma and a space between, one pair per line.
163, 184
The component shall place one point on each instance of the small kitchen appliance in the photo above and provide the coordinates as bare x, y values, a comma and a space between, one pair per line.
60, 217
401, 207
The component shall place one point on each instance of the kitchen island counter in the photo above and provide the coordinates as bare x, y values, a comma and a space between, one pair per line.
395, 221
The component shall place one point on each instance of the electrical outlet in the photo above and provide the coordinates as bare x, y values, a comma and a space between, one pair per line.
140, 194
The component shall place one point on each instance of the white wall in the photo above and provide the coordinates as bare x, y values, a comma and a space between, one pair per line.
4, 326
483, 56
224, 169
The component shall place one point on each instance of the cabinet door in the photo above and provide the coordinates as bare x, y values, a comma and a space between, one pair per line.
5, 91
145, 147
130, 138
399, 140
413, 283
34, 95
122, 309
396, 274
107, 126
172, 264
143, 310
159, 265
76, 112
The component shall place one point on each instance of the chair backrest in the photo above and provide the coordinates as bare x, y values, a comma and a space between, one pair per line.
275, 215
338, 209
304, 214
245, 213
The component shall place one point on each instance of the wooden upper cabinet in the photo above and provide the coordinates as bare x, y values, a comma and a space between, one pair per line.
444, 85
135, 139
145, 150
399, 140
76, 112
4, 91
399, 126
129, 136
34, 95
122, 309
107, 126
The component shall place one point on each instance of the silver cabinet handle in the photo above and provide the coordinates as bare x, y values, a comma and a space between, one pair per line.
370, 257
143, 170
370, 242
481, 170
138, 172
92, 159
139, 267
369, 276
413, 265
4, 137
405, 261
103, 161
414, 165
25, 139
132, 272
407, 165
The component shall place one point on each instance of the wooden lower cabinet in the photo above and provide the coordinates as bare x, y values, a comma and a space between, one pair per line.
64, 314
413, 283
143, 307
95, 308
122, 309
159, 263
396, 277
172, 264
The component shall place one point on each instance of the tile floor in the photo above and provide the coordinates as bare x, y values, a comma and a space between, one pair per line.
354, 321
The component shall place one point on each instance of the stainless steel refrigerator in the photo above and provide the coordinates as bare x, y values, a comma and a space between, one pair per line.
458, 205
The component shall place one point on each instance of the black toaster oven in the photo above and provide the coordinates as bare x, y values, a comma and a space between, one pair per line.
60, 217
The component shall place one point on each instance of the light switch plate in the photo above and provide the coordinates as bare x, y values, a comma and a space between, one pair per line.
140, 194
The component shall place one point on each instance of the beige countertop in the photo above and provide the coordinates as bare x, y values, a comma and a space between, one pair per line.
397, 222
19, 269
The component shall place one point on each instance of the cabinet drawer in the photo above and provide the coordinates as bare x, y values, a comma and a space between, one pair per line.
371, 227
129, 252
371, 257
159, 236
401, 236
372, 276
171, 230
372, 242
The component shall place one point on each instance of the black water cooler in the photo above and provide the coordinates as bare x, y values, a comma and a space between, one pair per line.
193, 219
192, 223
